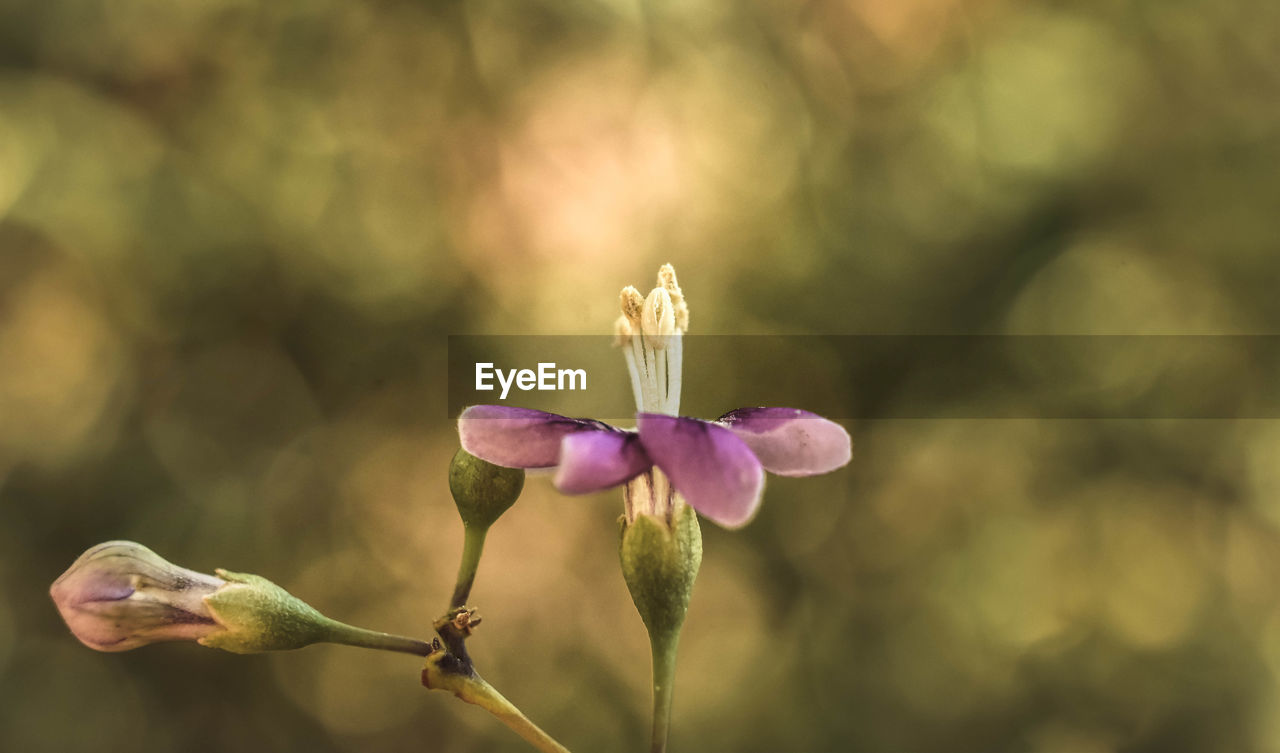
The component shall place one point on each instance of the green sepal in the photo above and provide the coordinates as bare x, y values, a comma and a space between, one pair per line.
481, 490
260, 616
659, 564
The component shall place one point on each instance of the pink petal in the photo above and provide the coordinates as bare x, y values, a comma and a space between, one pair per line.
790, 441
595, 460
518, 437
713, 470
120, 595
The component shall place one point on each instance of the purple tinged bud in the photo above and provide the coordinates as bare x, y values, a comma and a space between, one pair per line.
120, 595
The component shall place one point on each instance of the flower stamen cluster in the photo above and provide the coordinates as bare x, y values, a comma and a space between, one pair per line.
649, 333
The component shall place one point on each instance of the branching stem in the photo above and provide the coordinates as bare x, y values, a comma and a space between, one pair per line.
449, 666
443, 672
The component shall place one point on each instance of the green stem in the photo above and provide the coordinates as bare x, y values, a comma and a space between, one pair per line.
472, 547
349, 635
473, 689
485, 696
663, 647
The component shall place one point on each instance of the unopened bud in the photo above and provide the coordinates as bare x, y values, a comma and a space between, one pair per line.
481, 490
121, 595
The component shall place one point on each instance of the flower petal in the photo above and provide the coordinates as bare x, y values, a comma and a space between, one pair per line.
790, 441
595, 460
518, 437
713, 469
120, 595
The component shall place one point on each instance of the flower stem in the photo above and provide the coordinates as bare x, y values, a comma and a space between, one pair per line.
349, 635
663, 646
472, 547
440, 673
492, 701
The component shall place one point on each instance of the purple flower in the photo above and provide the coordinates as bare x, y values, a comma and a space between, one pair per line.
717, 467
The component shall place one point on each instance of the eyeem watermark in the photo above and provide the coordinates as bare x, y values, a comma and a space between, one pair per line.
547, 378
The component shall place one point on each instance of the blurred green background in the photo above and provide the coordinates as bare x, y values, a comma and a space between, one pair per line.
233, 238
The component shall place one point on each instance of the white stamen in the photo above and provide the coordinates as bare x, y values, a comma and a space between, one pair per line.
632, 304
675, 369
649, 333
621, 331
667, 281
657, 318
630, 355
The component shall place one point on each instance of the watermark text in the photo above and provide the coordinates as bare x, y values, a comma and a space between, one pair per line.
546, 378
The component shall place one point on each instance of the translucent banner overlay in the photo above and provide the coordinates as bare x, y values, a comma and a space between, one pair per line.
861, 377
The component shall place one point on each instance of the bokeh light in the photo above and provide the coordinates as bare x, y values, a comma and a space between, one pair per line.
234, 238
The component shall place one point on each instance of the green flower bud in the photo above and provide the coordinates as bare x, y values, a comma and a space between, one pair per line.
257, 615
659, 564
120, 595
481, 490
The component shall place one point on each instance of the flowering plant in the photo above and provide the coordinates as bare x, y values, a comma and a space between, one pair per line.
667, 462
120, 595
